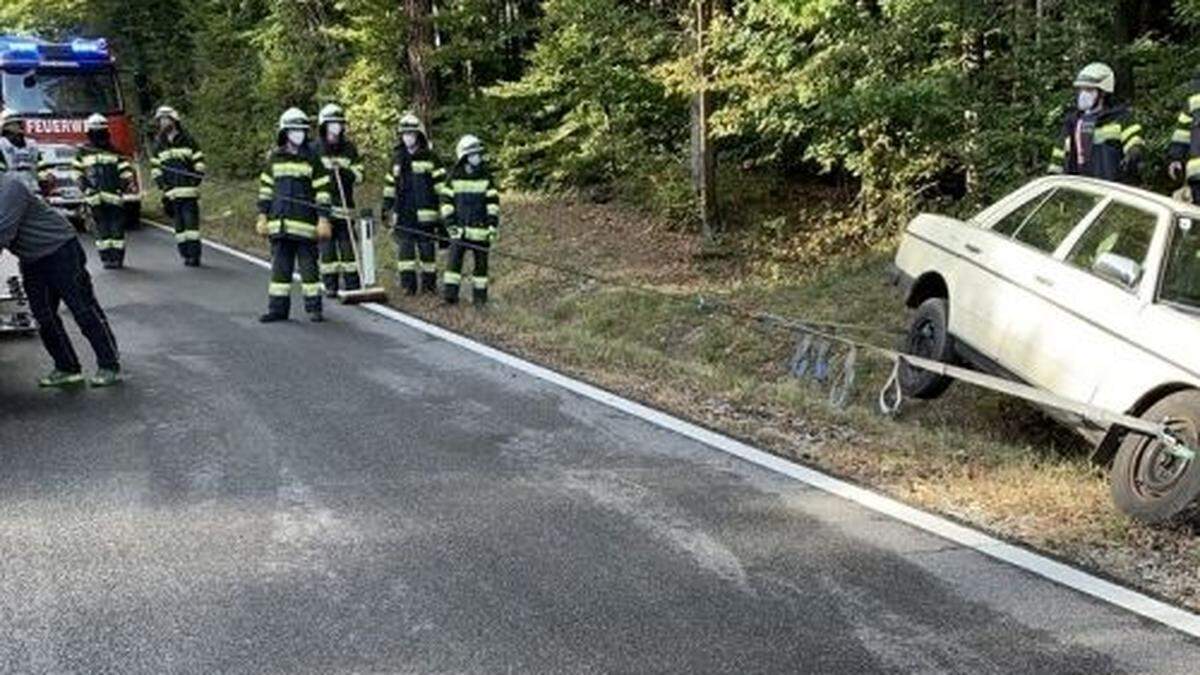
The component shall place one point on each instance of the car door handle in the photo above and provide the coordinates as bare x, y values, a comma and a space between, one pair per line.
1045, 281
973, 249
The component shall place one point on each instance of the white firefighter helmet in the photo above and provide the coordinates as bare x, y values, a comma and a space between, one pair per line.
331, 113
468, 145
167, 112
9, 116
293, 118
410, 123
96, 122
1097, 76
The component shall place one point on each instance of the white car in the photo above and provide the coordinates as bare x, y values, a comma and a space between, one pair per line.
1088, 289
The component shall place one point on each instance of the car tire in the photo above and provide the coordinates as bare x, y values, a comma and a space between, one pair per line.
928, 337
133, 215
1149, 484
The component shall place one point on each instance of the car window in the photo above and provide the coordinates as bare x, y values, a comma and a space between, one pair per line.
1054, 219
1121, 230
1009, 224
1181, 279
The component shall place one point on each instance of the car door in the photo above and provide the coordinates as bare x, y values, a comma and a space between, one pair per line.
1005, 247
1080, 318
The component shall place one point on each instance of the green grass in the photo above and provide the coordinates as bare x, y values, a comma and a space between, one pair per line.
974, 455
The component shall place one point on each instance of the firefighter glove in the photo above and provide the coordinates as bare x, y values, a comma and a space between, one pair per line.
324, 229
261, 225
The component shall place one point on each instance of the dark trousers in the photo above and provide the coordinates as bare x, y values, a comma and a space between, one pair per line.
110, 233
337, 258
62, 277
416, 254
186, 213
286, 251
454, 267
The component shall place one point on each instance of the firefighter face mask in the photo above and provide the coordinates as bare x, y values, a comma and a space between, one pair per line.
296, 137
410, 139
475, 159
334, 130
1087, 99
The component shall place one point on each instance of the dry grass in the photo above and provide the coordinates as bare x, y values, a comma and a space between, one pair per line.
973, 455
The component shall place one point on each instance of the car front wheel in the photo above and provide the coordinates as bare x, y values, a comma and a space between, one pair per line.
1149, 483
928, 338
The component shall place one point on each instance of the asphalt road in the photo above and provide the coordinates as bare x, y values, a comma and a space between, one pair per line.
359, 497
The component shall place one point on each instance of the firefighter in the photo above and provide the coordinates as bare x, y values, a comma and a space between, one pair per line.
105, 177
471, 212
293, 207
340, 158
18, 153
1098, 138
410, 194
1184, 151
178, 169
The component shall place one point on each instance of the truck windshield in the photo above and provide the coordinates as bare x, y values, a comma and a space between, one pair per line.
61, 92
1181, 280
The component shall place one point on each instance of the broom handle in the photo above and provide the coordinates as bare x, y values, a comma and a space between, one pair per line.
337, 178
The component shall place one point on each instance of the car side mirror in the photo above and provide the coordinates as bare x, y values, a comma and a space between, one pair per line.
1117, 269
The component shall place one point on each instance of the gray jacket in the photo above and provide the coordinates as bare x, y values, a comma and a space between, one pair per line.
28, 226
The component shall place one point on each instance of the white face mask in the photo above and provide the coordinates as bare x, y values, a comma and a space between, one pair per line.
475, 159
296, 137
334, 129
1087, 99
410, 140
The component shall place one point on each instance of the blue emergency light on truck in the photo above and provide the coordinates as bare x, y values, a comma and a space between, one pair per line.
55, 86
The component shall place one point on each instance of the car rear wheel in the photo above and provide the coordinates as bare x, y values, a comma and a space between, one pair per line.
1149, 483
928, 338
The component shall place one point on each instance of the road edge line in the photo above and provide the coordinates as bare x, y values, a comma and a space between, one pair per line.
1133, 601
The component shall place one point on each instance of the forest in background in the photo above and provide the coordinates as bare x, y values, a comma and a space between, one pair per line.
895, 103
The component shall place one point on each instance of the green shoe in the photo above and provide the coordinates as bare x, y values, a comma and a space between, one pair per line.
105, 377
60, 378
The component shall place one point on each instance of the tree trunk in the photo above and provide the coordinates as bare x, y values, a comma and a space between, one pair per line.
703, 161
420, 46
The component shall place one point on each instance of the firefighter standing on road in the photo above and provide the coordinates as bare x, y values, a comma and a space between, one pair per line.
1098, 138
1184, 151
105, 177
293, 207
18, 153
340, 158
410, 194
471, 211
178, 168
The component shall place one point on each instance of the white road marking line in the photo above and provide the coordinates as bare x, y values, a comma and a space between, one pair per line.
1060, 573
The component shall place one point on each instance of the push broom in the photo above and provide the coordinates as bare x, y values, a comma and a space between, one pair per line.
364, 256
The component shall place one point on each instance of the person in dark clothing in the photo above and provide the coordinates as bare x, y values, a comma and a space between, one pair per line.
177, 167
293, 208
1098, 138
105, 177
410, 194
54, 271
340, 157
471, 211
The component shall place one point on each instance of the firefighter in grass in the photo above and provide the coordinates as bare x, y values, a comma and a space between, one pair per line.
293, 207
471, 212
105, 177
340, 158
177, 167
410, 194
1098, 139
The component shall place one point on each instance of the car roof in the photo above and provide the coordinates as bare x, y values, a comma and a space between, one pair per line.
1177, 207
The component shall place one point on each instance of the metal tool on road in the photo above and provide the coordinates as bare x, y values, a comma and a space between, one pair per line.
364, 254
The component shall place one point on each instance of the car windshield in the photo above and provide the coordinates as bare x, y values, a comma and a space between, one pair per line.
60, 92
1181, 280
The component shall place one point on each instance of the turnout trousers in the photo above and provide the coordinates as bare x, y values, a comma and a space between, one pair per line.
62, 278
110, 233
186, 214
452, 278
286, 253
416, 255
337, 259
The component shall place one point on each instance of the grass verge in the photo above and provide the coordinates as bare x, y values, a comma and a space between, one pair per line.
987, 460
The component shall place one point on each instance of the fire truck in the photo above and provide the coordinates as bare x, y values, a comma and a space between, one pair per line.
56, 86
